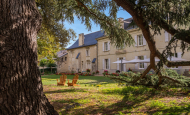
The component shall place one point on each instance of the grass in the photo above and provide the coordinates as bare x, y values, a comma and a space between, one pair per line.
99, 95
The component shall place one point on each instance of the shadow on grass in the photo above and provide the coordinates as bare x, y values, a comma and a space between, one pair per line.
133, 96
96, 78
65, 90
176, 110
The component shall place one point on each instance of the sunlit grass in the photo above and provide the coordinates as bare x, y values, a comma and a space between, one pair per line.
100, 95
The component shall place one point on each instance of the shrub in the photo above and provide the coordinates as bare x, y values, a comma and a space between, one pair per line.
117, 71
87, 70
152, 79
97, 71
105, 71
129, 69
93, 73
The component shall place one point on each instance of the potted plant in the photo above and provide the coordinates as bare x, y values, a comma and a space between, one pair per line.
97, 71
129, 69
87, 70
105, 71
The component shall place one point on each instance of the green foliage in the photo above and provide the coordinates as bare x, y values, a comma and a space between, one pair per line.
117, 71
51, 63
157, 104
152, 79
43, 62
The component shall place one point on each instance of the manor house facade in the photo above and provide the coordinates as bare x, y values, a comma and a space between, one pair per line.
94, 51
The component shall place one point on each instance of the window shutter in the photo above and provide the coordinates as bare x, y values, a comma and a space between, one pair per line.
109, 63
166, 36
136, 65
124, 66
145, 64
144, 41
117, 64
135, 40
103, 46
103, 63
109, 45
179, 55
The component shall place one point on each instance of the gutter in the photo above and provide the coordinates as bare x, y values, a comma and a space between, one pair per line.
97, 55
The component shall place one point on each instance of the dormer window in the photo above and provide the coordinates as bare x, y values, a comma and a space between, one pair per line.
87, 52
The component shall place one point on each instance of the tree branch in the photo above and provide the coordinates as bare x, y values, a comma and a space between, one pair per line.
144, 73
81, 4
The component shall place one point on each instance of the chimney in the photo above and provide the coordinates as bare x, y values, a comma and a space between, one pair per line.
81, 39
121, 22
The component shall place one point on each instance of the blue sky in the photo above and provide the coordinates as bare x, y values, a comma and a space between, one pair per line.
80, 28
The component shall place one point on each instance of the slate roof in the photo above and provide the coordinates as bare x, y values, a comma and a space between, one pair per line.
89, 39
61, 53
126, 24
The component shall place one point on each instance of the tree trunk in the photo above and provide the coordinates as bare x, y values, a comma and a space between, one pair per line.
21, 90
51, 70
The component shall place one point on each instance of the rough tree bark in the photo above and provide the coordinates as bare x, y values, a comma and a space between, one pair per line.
21, 90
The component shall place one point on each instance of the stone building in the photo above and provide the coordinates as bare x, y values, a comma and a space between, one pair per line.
83, 53
62, 61
94, 51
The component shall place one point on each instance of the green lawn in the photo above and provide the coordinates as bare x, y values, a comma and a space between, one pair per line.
98, 95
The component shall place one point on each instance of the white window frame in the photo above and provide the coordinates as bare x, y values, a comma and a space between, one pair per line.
140, 37
141, 65
168, 36
121, 47
106, 63
105, 46
87, 52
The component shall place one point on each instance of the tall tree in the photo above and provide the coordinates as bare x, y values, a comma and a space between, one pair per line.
21, 90
148, 15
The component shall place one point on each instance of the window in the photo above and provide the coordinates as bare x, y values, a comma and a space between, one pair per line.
87, 52
141, 65
106, 46
107, 63
174, 55
167, 36
121, 47
140, 40
65, 58
88, 64
62, 59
